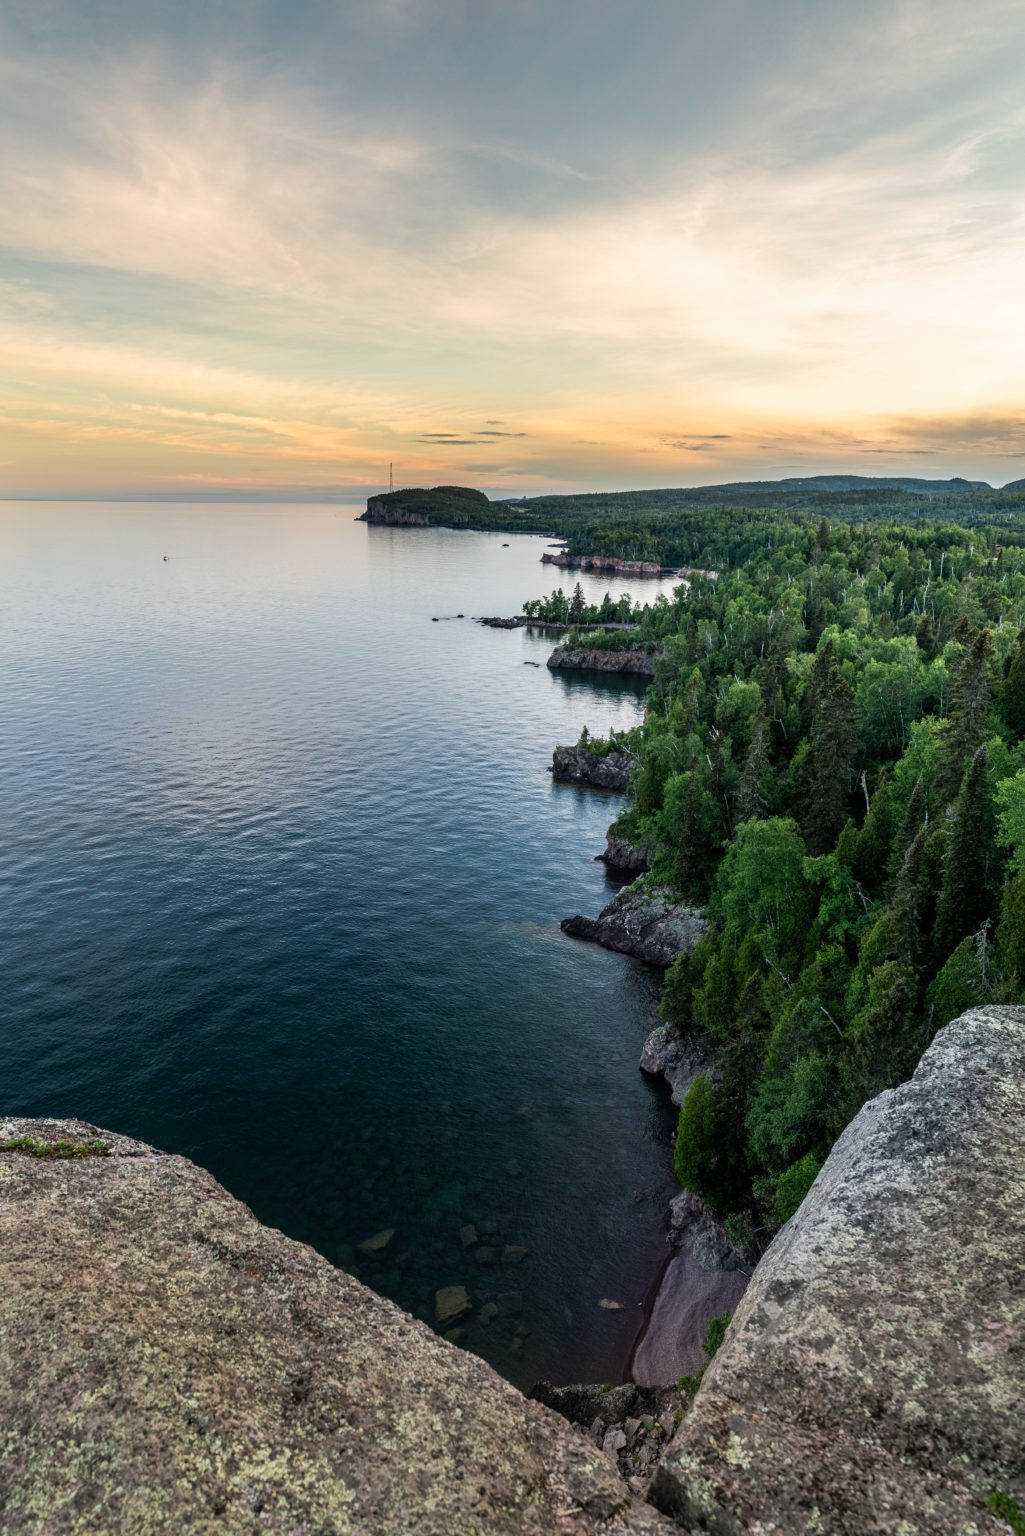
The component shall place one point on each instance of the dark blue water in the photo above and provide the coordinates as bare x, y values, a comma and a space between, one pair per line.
281, 884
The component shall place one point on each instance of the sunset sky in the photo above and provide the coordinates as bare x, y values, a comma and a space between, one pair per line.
266, 248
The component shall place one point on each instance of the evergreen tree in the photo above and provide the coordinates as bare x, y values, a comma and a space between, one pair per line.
969, 714
693, 852
965, 893
1011, 939
1012, 695
830, 759
753, 795
912, 822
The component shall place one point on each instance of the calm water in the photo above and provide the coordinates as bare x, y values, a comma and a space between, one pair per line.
282, 880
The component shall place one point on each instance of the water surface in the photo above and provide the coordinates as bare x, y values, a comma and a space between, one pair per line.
282, 879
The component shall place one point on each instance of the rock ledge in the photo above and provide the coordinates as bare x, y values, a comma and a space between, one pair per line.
168, 1364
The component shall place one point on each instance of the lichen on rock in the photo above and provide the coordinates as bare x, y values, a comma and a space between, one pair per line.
873, 1377
167, 1364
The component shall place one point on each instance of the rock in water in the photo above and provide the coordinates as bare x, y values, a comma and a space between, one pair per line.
577, 765
621, 854
584, 660
873, 1377
646, 922
676, 1057
170, 1365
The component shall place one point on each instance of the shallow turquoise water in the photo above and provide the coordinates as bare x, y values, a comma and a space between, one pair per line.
282, 879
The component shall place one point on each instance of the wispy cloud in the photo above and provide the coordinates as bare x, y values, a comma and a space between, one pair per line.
234, 263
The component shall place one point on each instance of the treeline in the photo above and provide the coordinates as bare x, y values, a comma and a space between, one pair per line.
833, 765
560, 609
720, 526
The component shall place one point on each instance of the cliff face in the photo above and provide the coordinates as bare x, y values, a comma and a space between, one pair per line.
603, 565
585, 660
167, 1364
873, 1377
576, 765
392, 516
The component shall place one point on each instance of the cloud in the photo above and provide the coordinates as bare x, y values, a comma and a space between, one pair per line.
236, 263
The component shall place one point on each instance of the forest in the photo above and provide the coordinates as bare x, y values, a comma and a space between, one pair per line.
832, 765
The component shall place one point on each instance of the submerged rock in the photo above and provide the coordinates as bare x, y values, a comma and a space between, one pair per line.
647, 922
173, 1366
873, 1377
577, 765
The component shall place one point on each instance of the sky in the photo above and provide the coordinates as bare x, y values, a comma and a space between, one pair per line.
268, 249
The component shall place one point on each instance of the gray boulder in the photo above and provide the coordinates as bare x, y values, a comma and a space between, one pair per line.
873, 1377
647, 923
677, 1058
621, 854
170, 1365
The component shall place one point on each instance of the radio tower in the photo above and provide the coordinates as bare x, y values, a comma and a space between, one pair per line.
391, 477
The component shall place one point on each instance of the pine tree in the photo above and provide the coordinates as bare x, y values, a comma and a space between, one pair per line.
1012, 696
876, 837
969, 713
912, 822
1011, 939
830, 758
693, 853
753, 795
965, 894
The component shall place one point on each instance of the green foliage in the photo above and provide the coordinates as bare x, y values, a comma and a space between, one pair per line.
715, 1333
832, 763
1008, 1509
696, 1136
968, 979
1011, 818
794, 1184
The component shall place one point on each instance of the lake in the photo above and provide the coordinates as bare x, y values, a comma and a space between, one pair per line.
282, 880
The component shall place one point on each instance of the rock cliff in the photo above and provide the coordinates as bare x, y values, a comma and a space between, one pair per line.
643, 921
873, 1377
167, 1364
379, 511
585, 660
578, 765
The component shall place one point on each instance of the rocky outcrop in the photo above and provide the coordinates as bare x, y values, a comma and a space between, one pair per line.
703, 1278
676, 1057
647, 922
585, 660
873, 1377
516, 622
577, 765
603, 565
170, 1365
391, 516
621, 854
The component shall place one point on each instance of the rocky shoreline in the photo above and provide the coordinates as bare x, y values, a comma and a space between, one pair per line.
579, 765
587, 659
642, 920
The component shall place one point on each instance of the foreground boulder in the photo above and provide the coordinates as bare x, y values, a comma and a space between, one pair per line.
873, 1378
579, 765
167, 1364
647, 922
